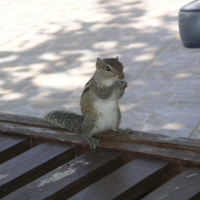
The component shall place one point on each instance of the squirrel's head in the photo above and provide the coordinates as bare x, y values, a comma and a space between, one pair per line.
110, 67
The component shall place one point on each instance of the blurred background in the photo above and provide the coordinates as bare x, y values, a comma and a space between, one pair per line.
48, 50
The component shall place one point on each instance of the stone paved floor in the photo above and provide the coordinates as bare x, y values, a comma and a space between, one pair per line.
49, 47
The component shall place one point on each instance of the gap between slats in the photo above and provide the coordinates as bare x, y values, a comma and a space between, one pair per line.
11, 146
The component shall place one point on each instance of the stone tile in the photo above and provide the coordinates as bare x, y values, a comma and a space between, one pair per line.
134, 120
173, 126
49, 49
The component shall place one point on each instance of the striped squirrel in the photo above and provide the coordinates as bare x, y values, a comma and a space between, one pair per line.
99, 103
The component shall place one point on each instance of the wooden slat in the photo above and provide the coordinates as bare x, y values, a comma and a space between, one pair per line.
70, 178
129, 149
139, 137
127, 182
180, 157
41, 133
31, 165
12, 146
183, 187
27, 120
181, 143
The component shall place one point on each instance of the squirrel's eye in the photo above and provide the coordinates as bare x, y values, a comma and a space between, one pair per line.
108, 68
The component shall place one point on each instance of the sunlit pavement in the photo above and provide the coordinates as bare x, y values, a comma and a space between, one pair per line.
49, 48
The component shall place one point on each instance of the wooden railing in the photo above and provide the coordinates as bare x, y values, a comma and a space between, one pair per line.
41, 161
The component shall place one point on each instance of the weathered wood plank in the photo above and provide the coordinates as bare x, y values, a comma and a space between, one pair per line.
181, 143
32, 164
70, 178
128, 148
138, 137
26, 120
180, 157
185, 186
128, 182
12, 146
41, 133
8, 141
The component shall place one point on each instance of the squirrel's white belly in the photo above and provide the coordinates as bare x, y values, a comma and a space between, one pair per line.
108, 115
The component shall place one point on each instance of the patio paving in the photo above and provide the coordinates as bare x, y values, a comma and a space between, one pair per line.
48, 51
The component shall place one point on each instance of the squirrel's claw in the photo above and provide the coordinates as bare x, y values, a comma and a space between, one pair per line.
92, 142
124, 131
127, 131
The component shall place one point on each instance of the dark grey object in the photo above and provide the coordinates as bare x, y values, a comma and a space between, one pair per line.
189, 24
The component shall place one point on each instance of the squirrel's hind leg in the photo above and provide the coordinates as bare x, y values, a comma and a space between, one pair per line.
88, 129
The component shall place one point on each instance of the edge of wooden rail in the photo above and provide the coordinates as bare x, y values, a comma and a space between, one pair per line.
136, 136
178, 150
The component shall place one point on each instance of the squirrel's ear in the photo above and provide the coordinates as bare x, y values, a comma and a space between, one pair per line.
99, 63
117, 58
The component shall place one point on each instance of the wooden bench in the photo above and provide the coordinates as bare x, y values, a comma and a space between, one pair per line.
41, 161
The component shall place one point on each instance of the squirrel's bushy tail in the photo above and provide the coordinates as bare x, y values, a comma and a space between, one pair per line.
64, 119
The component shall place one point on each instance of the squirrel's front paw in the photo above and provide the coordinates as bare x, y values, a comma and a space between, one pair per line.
122, 84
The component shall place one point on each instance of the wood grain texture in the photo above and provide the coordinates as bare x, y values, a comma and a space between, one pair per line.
183, 187
137, 137
12, 146
181, 157
32, 164
180, 143
129, 149
41, 133
70, 178
128, 182
84, 171
26, 120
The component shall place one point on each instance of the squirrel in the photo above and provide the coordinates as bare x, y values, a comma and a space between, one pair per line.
99, 103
